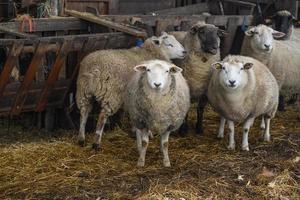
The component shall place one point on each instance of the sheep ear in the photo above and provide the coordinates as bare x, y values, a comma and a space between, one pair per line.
194, 30
156, 40
221, 33
268, 21
277, 34
248, 65
174, 69
140, 68
251, 31
217, 65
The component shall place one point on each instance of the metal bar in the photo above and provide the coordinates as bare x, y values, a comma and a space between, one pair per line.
10, 62
28, 79
53, 76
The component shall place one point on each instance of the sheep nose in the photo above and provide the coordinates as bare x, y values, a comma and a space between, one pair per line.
184, 52
157, 84
232, 82
267, 46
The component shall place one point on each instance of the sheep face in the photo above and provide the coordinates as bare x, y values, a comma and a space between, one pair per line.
170, 46
208, 37
232, 76
262, 37
158, 73
283, 21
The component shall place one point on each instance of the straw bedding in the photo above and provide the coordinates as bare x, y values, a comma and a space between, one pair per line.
34, 165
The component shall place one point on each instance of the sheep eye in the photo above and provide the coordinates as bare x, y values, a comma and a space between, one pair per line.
169, 45
242, 68
148, 70
167, 71
223, 68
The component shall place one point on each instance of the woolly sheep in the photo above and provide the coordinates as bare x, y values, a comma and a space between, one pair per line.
283, 21
104, 75
241, 89
202, 43
157, 101
281, 58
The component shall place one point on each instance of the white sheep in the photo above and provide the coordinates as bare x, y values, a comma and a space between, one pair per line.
281, 57
157, 101
104, 75
202, 43
241, 89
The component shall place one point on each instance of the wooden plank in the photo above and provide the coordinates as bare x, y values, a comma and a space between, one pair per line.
186, 10
104, 22
10, 62
28, 79
15, 33
50, 24
218, 20
228, 40
53, 76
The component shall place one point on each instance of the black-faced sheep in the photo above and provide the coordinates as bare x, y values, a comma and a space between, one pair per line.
157, 101
104, 75
241, 89
202, 43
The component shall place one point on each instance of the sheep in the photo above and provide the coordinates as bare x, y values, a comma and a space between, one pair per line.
157, 101
104, 75
283, 21
280, 57
202, 43
241, 89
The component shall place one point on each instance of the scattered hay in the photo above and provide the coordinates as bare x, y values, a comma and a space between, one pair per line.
36, 166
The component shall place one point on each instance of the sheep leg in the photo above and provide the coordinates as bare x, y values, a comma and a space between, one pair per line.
142, 137
231, 145
221, 127
267, 130
246, 128
99, 129
84, 114
183, 130
200, 110
164, 144
263, 123
281, 103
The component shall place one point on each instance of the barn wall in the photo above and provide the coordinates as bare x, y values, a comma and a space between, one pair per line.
143, 6
79, 5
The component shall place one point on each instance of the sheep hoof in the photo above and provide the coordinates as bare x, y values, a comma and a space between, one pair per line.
96, 146
231, 147
267, 139
199, 129
167, 163
183, 130
141, 163
81, 143
245, 148
220, 136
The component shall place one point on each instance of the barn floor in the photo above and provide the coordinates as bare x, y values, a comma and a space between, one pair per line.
36, 166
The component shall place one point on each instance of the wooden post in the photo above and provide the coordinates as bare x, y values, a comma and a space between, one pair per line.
232, 26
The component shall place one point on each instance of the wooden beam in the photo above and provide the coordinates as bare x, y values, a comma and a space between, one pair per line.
50, 24
53, 76
15, 33
28, 79
113, 25
186, 10
10, 62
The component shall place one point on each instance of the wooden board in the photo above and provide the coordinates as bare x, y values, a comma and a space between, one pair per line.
110, 24
186, 10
